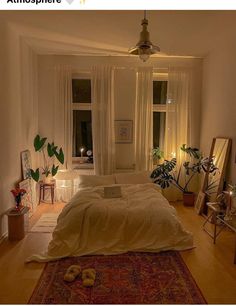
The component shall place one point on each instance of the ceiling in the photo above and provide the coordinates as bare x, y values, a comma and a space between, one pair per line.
177, 33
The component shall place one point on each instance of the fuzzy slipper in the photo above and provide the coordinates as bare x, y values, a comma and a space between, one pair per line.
88, 277
88, 282
71, 273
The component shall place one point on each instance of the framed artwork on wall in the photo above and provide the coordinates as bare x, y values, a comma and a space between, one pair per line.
123, 131
26, 164
199, 204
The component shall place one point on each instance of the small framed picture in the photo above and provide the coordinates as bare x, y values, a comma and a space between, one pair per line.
124, 131
26, 164
199, 204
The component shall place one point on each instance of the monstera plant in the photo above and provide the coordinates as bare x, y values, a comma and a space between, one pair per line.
50, 153
166, 174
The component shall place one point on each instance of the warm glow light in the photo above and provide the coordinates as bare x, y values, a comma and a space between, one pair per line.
81, 151
231, 193
144, 57
144, 47
173, 154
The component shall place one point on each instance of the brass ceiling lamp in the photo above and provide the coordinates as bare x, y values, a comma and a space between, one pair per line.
144, 48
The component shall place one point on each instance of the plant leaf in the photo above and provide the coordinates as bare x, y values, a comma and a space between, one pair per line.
35, 174
54, 170
60, 156
50, 149
162, 174
157, 153
193, 152
39, 142
164, 180
169, 165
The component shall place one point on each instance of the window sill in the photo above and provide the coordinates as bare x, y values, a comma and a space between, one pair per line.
83, 166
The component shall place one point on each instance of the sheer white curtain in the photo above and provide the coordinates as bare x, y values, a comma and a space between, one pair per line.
63, 112
63, 126
177, 119
103, 119
144, 119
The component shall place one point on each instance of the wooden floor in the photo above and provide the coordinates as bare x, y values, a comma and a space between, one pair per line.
211, 265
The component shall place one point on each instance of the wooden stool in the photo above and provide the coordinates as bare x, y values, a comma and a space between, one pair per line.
46, 186
17, 223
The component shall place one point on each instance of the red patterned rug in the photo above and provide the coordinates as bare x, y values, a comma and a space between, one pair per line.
132, 278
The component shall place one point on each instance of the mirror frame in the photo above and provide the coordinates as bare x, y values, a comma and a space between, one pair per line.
223, 170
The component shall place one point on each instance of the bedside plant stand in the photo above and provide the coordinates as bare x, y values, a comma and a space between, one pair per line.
44, 187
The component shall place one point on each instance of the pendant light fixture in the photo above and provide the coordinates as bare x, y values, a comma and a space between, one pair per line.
144, 48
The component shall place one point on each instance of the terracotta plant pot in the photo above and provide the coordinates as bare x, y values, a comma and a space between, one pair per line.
188, 198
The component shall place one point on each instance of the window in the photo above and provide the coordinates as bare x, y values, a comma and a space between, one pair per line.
81, 89
82, 117
160, 83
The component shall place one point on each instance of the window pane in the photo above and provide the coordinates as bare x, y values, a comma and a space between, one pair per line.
81, 89
159, 92
159, 124
82, 132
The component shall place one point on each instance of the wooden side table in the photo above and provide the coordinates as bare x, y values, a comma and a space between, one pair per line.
17, 223
231, 223
216, 210
44, 187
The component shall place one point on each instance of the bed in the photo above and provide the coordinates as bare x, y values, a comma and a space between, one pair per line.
141, 220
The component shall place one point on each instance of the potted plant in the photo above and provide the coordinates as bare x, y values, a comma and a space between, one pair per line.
50, 152
166, 175
157, 154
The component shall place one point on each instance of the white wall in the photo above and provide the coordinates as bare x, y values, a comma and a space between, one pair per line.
219, 101
125, 90
4, 116
17, 123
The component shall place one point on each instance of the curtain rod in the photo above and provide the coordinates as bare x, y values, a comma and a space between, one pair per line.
155, 70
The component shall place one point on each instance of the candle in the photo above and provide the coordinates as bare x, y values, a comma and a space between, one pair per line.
230, 200
81, 151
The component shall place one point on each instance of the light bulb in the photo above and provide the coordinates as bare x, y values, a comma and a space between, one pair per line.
144, 57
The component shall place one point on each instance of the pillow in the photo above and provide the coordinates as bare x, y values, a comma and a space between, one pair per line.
95, 180
133, 178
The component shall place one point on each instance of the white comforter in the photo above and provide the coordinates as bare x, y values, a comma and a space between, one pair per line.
142, 220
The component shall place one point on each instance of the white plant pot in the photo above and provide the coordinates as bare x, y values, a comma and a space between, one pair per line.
47, 179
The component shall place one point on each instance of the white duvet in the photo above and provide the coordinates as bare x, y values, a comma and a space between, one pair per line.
142, 220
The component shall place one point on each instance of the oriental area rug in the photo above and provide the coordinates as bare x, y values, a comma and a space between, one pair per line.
131, 278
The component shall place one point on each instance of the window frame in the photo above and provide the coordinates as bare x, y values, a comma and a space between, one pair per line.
80, 106
160, 108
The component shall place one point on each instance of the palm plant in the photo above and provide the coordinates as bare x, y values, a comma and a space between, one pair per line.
49, 151
166, 175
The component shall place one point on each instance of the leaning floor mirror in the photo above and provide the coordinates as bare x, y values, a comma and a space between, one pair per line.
213, 183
